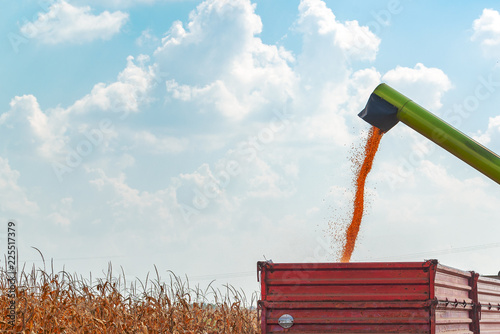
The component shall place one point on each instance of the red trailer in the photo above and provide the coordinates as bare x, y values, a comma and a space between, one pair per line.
402, 297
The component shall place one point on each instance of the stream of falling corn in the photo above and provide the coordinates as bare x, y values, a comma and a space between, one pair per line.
370, 149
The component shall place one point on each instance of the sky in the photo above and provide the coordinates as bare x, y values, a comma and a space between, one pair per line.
203, 136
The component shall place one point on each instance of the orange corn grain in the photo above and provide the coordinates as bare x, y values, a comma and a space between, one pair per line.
370, 150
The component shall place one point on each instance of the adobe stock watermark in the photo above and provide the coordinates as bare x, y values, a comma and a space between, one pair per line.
455, 116
244, 154
74, 158
27, 30
11, 271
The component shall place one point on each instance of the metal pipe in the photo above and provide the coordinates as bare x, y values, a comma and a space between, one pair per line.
386, 107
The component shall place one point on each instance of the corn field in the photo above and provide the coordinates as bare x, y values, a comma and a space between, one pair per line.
63, 303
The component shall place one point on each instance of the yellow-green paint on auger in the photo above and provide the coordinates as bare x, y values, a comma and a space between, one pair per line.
386, 107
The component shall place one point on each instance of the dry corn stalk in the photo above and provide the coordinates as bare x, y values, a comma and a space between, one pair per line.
63, 303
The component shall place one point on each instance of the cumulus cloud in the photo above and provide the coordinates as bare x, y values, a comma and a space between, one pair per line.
154, 144
122, 96
487, 31
326, 111
157, 213
435, 197
65, 23
204, 191
444, 186
216, 60
13, 198
217, 33
361, 85
67, 138
329, 45
213, 194
57, 133
216, 94
425, 85
356, 41
268, 181
191, 200
127, 197
46, 131
329, 91
123, 3
147, 38
63, 213
493, 130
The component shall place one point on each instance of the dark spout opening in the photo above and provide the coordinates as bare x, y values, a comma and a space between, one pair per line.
380, 113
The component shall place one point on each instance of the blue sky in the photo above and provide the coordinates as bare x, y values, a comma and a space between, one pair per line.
201, 136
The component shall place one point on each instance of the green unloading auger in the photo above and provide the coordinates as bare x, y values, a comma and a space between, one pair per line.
386, 107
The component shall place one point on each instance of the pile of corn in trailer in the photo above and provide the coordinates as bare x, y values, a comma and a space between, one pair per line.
404, 297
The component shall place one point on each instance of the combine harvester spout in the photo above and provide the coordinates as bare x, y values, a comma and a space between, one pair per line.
386, 107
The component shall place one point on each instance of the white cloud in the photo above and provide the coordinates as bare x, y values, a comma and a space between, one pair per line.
354, 40
218, 32
147, 38
13, 198
327, 125
329, 45
361, 85
208, 197
341, 103
492, 131
125, 3
215, 95
59, 219
424, 85
53, 133
149, 142
193, 200
46, 131
122, 96
472, 193
65, 23
64, 212
430, 196
127, 202
205, 191
267, 181
329, 92
216, 61
487, 31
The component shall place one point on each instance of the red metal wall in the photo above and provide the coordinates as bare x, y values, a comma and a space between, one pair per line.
488, 297
414, 297
455, 310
